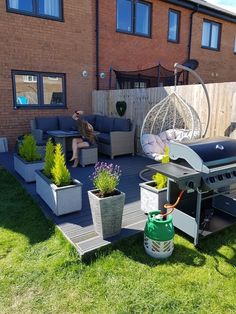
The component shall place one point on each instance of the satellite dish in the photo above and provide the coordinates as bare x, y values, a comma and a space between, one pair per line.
191, 63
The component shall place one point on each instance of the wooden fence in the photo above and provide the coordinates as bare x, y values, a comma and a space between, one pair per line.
140, 101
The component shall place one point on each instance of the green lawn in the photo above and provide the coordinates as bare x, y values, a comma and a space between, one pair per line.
41, 273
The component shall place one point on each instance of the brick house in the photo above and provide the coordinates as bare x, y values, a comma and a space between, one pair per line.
167, 31
54, 52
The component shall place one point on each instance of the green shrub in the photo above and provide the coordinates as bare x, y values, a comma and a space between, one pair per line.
59, 171
49, 158
160, 179
28, 149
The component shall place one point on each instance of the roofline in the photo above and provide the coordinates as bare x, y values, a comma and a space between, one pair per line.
215, 12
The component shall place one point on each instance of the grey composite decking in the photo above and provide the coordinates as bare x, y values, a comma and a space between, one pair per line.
78, 227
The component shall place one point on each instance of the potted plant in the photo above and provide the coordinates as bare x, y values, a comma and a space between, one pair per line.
153, 194
27, 160
55, 185
106, 201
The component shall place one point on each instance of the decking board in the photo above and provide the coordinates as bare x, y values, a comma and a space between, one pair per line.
78, 227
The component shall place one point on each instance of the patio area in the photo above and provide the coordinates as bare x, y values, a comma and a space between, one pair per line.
78, 227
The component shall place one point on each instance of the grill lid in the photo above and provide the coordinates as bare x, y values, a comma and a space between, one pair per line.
204, 154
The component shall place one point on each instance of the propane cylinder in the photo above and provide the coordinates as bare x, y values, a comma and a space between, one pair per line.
158, 235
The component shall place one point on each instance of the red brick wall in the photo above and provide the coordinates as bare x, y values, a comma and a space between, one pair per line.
34, 44
215, 66
129, 52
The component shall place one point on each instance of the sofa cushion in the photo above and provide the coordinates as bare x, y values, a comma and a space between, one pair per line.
104, 138
104, 124
121, 124
47, 123
66, 123
90, 119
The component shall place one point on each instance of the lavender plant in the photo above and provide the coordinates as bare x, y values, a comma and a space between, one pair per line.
105, 178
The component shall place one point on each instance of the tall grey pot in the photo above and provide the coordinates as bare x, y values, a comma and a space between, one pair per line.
62, 200
107, 213
152, 198
26, 169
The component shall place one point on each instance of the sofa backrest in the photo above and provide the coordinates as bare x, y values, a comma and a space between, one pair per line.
47, 123
66, 123
120, 124
104, 124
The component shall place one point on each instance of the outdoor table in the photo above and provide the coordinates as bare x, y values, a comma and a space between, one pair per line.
61, 136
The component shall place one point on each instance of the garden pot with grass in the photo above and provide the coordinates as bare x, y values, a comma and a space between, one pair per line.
55, 186
153, 194
106, 202
27, 161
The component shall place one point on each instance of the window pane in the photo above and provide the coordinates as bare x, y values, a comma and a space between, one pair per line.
173, 26
53, 90
206, 34
49, 7
21, 5
214, 36
26, 92
142, 18
124, 15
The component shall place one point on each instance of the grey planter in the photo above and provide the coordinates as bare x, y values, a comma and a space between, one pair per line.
107, 213
27, 169
151, 198
61, 200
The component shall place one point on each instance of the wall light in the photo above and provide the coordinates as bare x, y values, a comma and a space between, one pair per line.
102, 75
84, 73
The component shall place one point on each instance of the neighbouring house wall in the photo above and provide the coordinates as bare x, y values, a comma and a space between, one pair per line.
129, 52
35, 44
215, 66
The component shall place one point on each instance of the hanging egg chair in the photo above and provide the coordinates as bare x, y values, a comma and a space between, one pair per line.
172, 119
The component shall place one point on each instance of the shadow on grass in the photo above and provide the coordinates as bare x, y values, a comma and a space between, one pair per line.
20, 213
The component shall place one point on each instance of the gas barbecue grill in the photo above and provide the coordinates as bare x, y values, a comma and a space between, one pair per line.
206, 170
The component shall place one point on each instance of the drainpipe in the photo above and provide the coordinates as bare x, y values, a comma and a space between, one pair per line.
97, 44
190, 35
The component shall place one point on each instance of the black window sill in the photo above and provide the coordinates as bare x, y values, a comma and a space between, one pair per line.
25, 107
209, 48
45, 17
133, 34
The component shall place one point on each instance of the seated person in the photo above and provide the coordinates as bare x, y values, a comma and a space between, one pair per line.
86, 139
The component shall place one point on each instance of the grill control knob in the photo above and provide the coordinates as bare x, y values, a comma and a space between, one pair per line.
191, 185
234, 173
220, 177
212, 179
228, 175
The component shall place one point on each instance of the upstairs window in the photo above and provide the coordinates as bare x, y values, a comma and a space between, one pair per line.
36, 89
51, 9
173, 26
134, 17
211, 32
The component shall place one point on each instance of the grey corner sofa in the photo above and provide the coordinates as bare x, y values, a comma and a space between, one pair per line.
115, 136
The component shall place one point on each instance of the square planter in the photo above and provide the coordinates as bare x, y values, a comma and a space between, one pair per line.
62, 200
27, 169
152, 198
107, 213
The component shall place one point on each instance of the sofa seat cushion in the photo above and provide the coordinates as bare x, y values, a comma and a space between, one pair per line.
47, 123
121, 124
90, 119
104, 138
104, 124
66, 123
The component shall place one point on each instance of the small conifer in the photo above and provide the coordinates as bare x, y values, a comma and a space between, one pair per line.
60, 173
49, 158
28, 149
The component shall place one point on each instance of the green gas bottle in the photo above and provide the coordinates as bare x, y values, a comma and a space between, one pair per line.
159, 235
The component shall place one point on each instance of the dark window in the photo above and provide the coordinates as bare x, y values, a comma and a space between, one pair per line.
211, 35
134, 17
51, 9
34, 89
173, 26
